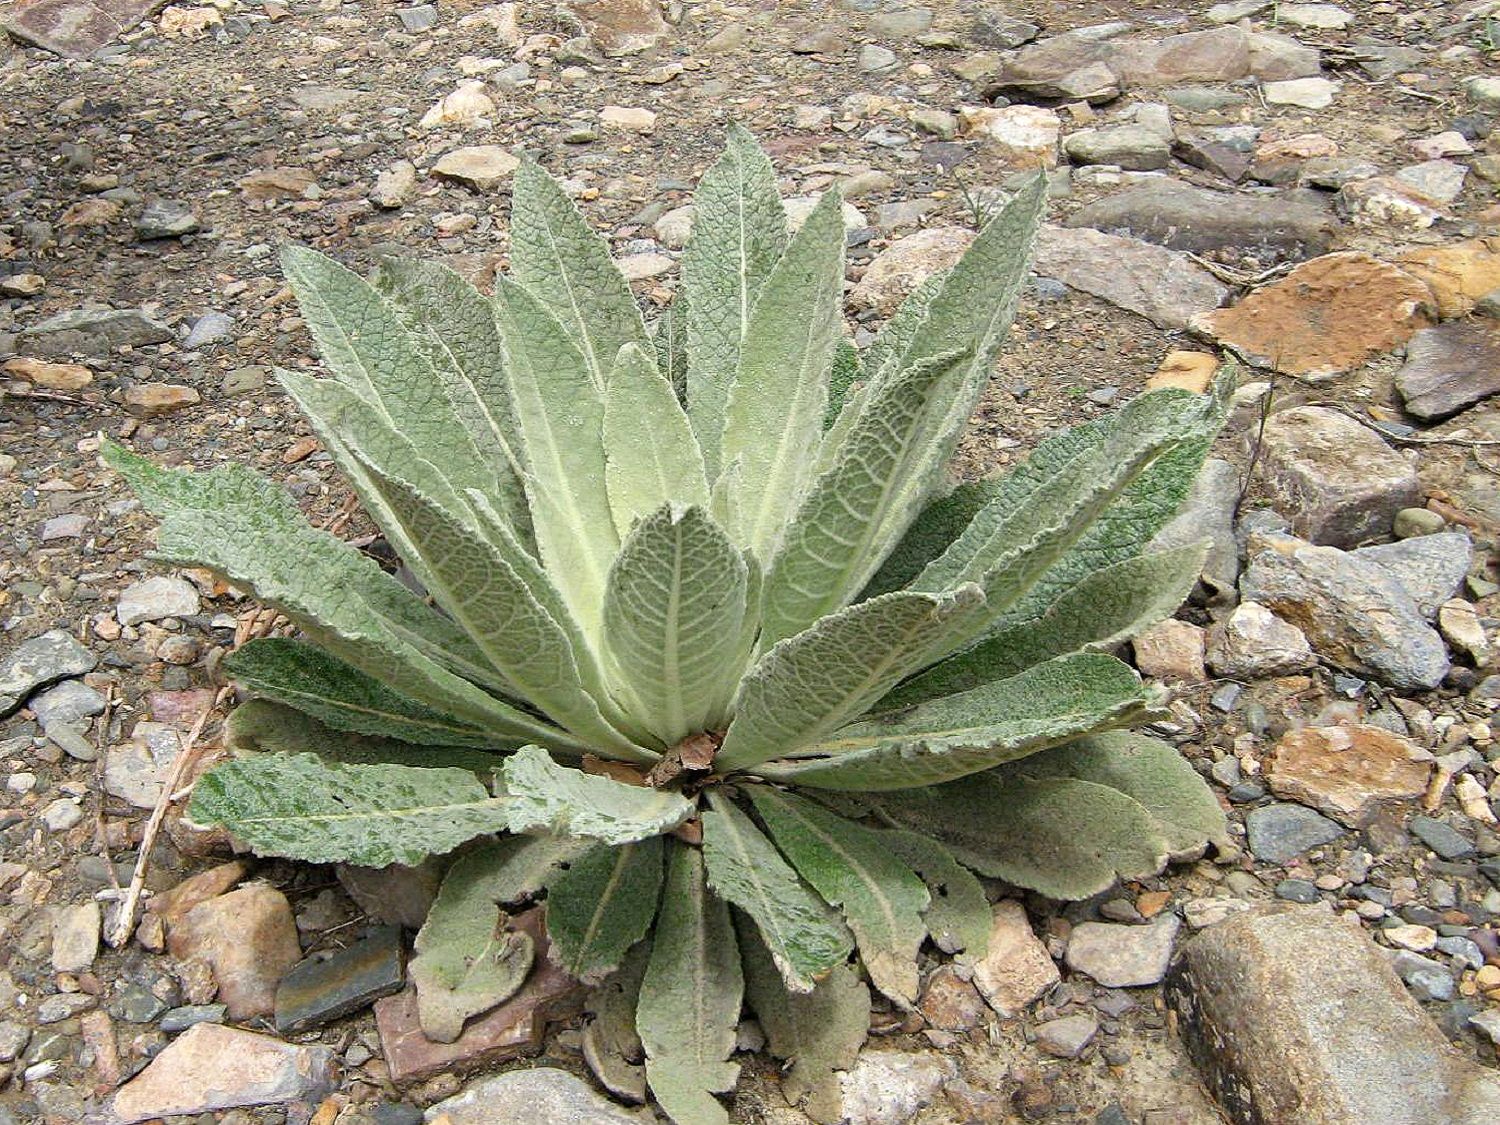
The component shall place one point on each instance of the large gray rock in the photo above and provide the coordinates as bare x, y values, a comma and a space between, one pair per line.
39, 661
1131, 147
1295, 1016
1208, 513
1160, 284
541, 1096
1184, 217
95, 332
1430, 568
1341, 483
1352, 611
1220, 54
1449, 368
1070, 66
892, 1087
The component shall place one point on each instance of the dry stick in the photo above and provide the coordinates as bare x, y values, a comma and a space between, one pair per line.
47, 396
124, 921
1404, 439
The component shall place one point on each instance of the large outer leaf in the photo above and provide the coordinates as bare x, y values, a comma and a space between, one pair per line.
811, 684
1103, 610
650, 454
673, 615
602, 905
545, 796
1146, 769
294, 806
453, 326
307, 678
802, 932
819, 1033
739, 231
851, 868
247, 529
515, 868
560, 259
858, 509
690, 996
368, 348
777, 403
1067, 839
488, 588
950, 737
465, 963
259, 726
959, 916
560, 412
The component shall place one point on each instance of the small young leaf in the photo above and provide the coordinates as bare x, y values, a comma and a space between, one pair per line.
976, 730
565, 264
602, 905
544, 796
849, 867
931, 533
465, 962
651, 457
307, 678
690, 997
819, 1033
803, 933
294, 806
847, 373
958, 916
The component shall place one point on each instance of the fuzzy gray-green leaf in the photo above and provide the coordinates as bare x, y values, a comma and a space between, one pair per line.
673, 615
297, 807
803, 933
819, 1033
849, 867
651, 457
602, 905
465, 962
690, 996
739, 232
933, 531
566, 265
545, 796
957, 735
958, 916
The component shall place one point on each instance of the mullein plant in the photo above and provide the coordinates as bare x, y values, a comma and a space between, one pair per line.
707, 652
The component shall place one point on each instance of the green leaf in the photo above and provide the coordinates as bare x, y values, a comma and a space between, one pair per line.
975, 730
248, 530
453, 326
368, 349
931, 533
847, 372
1103, 610
466, 962
650, 454
669, 334
1146, 769
774, 417
673, 615
1066, 839
819, 1033
959, 916
611, 1045
303, 676
690, 997
297, 807
803, 933
861, 506
487, 586
739, 232
560, 411
544, 796
566, 266
602, 905
809, 685
262, 727
516, 868
849, 866
896, 334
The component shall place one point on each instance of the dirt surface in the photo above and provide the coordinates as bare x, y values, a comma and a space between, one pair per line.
329, 96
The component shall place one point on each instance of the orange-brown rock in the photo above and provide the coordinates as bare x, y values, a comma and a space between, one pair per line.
1186, 371
248, 938
174, 904
1346, 771
53, 376
1458, 274
1327, 316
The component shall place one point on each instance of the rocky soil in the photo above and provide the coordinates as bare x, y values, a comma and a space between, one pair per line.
1305, 187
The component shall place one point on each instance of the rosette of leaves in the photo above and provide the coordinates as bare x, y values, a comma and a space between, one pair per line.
698, 642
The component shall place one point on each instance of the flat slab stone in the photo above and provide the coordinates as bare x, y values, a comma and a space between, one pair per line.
1279, 833
1346, 771
95, 332
1296, 1016
1449, 368
1159, 284
75, 29
542, 1095
317, 992
1120, 956
1016, 969
42, 660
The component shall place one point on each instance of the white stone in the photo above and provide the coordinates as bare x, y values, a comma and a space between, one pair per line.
1119, 956
639, 267
799, 207
1024, 136
465, 106
75, 937
152, 599
1319, 17
892, 1087
1016, 969
480, 166
1305, 93
628, 118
